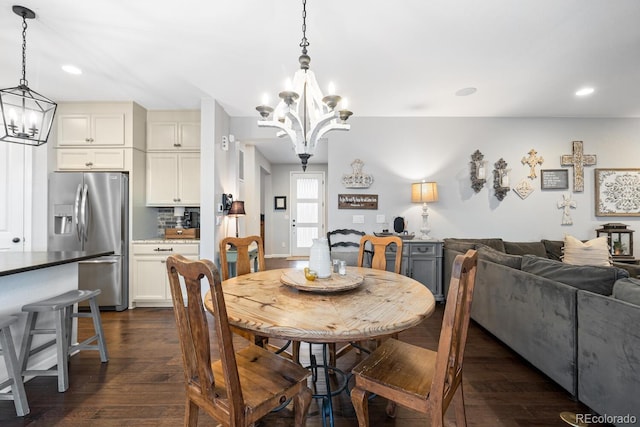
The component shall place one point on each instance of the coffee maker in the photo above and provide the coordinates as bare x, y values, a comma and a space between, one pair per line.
192, 219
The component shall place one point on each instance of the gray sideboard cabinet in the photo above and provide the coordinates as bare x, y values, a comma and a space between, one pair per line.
422, 261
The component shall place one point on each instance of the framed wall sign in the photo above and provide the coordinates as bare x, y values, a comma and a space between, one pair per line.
357, 201
280, 203
617, 192
554, 179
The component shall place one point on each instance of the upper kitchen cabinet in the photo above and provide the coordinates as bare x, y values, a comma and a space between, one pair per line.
173, 130
173, 179
99, 135
91, 129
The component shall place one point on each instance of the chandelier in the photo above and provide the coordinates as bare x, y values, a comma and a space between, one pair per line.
303, 114
26, 115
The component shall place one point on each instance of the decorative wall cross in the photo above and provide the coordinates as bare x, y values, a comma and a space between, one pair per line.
578, 160
532, 161
566, 204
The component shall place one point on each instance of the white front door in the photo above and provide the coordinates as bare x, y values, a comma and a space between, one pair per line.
12, 157
307, 210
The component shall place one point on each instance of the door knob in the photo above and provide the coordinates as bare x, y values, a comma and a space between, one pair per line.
16, 240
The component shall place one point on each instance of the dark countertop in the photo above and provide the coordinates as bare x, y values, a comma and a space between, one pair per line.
19, 262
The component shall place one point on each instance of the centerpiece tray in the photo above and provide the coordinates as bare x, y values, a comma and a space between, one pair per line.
333, 283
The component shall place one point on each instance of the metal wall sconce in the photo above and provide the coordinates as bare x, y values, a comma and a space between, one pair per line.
501, 179
227, 200
478, 171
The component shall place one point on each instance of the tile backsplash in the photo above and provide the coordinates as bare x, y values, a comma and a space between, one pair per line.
167, 220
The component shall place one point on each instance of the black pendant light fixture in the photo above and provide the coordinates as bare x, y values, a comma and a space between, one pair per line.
27, 116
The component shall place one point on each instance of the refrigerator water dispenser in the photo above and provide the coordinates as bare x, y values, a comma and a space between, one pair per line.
62, 219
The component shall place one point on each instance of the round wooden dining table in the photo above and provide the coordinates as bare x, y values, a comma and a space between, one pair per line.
384, 303
268, 303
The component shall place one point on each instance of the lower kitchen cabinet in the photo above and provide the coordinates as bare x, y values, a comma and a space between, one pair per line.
150, 284
422, 261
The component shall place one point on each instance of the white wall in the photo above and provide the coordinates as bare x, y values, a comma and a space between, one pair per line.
399, 151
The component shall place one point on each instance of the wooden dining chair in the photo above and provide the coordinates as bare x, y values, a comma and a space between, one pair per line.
242, 245
380, 245
417, 378
378, 256
241, 387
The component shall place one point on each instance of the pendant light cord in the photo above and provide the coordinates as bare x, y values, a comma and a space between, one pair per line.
304, 42
23, 81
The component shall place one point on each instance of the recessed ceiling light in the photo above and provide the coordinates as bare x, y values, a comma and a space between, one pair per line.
585, 91
466, 91
72, 69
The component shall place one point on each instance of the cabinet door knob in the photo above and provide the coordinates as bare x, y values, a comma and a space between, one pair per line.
177, 144
87, 140
88, 164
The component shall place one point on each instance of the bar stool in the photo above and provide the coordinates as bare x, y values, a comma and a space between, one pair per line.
17, 393
63, 307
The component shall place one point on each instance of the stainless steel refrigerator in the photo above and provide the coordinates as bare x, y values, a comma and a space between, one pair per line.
88, 211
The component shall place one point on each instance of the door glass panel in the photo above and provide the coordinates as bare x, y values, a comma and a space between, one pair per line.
307, 188
307, 212
305, 236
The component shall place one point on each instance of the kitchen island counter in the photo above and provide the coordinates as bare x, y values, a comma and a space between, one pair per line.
27, 277
20, 262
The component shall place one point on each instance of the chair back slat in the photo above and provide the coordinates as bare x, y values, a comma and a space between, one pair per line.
380, 244
453, 335
193, 331
243, 261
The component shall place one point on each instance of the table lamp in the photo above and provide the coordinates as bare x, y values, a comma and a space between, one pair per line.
423, 192
237, 209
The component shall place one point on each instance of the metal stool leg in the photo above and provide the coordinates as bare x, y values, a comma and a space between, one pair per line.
18, 394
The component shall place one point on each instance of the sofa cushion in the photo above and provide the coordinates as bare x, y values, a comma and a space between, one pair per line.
592, 252
553, 249
627, 289
489, 254
462, 245
525, 248
590, 278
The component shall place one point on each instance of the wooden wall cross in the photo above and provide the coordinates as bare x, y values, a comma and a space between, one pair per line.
532, 161
578, 160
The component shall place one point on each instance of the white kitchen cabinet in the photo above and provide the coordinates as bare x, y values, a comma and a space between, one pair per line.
91, 130
150, 286
91, 159
173, 131
173, 179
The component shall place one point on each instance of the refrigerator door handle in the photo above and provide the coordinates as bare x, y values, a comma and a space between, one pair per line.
76, 209
83, 212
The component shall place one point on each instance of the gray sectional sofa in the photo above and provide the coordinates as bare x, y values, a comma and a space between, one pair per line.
576, 324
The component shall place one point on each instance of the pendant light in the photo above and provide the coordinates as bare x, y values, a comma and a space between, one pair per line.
27, 116
303, 114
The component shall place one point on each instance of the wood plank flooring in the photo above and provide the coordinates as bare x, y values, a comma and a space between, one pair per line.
142, 384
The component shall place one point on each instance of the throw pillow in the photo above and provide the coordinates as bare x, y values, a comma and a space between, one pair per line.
627, 290
489, 254
461, 245
592, 252
525, 248
590, 278
553, 249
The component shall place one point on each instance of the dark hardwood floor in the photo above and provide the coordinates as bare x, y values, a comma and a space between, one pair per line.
142, 384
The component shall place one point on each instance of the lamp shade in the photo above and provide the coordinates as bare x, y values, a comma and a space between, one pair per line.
237, 208
423, 192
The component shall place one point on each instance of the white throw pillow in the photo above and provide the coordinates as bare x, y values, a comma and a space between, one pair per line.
593, 252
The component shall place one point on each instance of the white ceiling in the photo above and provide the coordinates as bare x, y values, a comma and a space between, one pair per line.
404, 58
